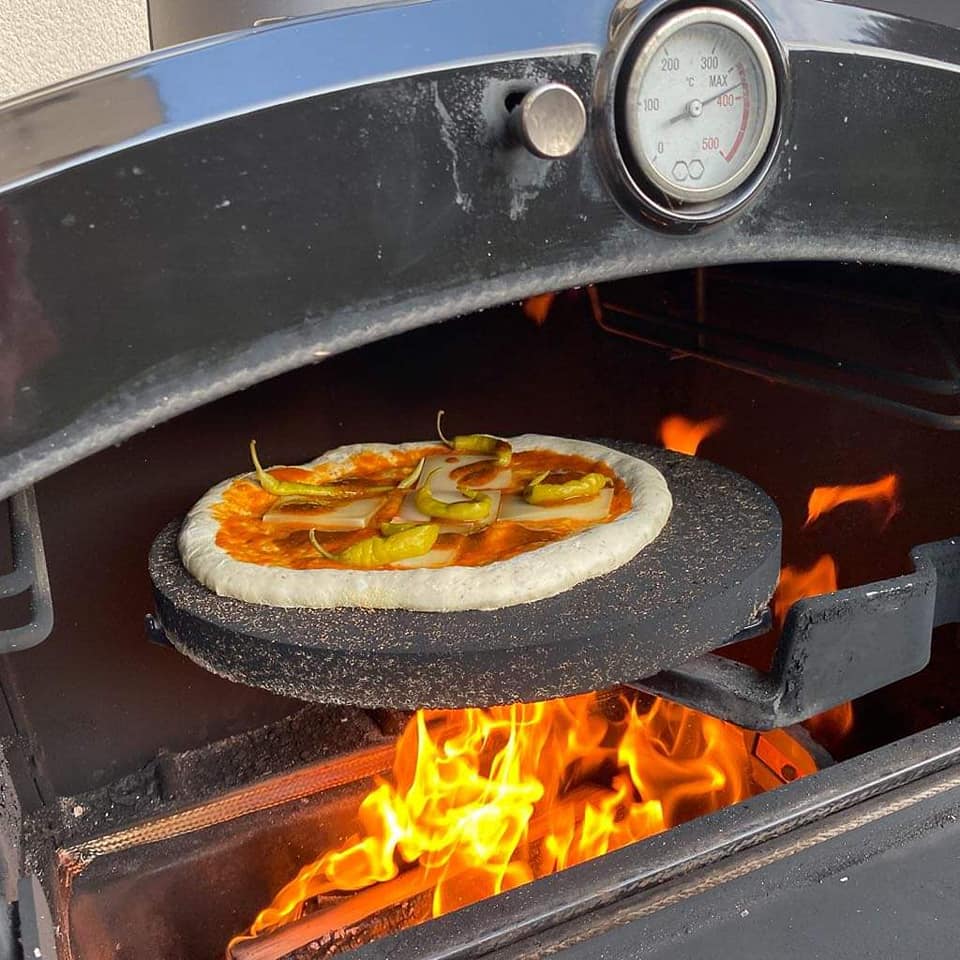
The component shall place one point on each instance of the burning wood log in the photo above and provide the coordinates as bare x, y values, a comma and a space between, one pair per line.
341, 916
364, 904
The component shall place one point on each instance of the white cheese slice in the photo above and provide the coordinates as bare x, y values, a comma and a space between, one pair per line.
410, 514
438, 468
514, 507
437, 557
352, 515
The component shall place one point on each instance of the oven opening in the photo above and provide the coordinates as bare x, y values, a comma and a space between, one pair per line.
829, 387
467, 804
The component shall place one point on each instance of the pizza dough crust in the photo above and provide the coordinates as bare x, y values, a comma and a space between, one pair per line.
534, 575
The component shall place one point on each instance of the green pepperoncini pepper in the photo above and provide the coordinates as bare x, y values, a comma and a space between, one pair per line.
310, 491
539, 493
482, 443
381, 551
475, 507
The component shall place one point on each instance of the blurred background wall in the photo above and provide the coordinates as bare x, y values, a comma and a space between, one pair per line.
44, 41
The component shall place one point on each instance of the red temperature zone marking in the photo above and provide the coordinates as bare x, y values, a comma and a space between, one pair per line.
745, 116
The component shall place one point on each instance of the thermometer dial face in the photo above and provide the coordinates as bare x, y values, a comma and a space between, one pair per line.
701, 104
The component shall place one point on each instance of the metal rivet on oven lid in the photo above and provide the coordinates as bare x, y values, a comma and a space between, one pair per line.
550, 121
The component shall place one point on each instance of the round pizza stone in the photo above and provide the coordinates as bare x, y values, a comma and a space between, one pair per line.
707, 577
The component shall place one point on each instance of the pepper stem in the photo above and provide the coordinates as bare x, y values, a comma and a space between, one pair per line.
264, 478
312, 537
440, 414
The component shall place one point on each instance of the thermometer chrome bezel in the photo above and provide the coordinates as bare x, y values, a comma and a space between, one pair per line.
631, 27
652, 45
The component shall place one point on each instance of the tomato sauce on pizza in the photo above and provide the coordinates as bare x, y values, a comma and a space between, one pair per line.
267, 529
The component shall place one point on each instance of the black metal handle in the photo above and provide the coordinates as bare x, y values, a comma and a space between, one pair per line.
29, 573
833, 648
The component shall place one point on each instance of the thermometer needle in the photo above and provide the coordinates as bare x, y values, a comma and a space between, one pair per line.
695, 107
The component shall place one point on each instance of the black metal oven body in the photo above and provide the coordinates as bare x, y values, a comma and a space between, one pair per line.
175, 230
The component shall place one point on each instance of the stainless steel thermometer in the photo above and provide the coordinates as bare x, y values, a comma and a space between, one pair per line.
701, 104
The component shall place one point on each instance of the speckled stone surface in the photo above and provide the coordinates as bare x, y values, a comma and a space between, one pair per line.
698, 584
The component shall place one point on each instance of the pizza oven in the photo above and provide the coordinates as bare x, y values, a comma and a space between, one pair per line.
320, 230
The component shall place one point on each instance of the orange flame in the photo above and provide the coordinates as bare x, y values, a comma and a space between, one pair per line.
796, 583
833, 724
487, 799
538, 308
883, 491
685, 436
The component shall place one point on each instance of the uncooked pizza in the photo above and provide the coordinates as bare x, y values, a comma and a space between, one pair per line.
472, 523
